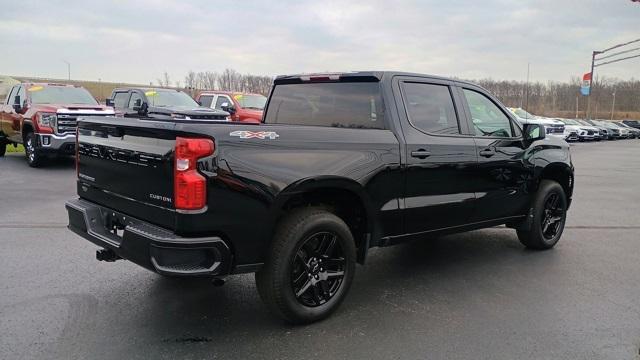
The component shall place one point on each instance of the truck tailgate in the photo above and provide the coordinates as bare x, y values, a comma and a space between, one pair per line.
127, 164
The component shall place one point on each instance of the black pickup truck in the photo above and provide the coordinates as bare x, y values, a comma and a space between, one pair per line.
160, 103
342, 163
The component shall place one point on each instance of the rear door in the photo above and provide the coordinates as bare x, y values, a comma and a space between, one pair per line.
440, 153
504, 174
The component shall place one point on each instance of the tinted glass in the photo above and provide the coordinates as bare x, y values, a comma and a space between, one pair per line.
487, 118
11, 96
430, 108
254, 102
163, 98
221, 100
342, 104
60, 95
205, 100
120, 100
21, 94
134, 97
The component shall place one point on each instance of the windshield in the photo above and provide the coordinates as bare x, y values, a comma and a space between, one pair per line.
255, 102
523, 114
60, 95
164, 98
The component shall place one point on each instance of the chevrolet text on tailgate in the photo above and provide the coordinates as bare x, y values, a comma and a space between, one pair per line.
342, 163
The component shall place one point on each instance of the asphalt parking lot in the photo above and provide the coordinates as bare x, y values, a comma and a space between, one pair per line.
478, 295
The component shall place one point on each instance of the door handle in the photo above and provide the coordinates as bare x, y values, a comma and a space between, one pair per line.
420, 154
487, 153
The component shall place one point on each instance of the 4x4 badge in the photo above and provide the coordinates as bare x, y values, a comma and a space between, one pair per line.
244, 134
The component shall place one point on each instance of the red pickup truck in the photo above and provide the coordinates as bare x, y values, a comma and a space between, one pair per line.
243, 107
43, 116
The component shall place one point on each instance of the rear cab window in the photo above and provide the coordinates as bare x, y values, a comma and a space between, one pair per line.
356, 105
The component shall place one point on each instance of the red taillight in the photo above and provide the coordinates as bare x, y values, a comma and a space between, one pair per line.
190, 188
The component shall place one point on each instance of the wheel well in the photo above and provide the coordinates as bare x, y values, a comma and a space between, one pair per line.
345, 204
562, 175
26, 128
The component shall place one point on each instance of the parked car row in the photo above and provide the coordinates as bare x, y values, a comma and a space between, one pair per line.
581, 129
43, 116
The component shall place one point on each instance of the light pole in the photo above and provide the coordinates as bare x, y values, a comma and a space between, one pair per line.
613, 103
68, 69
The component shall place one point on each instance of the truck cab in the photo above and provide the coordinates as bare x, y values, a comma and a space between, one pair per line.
160, 103
243, 107
43, 117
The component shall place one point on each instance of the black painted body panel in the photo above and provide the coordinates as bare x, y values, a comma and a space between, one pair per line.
250, 179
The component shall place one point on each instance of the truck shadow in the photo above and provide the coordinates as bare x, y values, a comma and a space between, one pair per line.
63, 162
417, 273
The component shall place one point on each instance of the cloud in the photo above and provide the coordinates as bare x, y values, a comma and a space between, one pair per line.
138, 41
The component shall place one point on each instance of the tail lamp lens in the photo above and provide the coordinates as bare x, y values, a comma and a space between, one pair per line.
190, 187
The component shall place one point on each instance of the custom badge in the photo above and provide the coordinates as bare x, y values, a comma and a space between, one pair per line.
244, 134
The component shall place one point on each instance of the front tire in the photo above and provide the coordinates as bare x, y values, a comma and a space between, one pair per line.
33, 158
3, 148
309, 268
549, 217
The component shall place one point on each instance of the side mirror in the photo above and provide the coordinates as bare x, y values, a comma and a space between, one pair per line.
109, 102
17, 105
534, 132
142, 107
228, 108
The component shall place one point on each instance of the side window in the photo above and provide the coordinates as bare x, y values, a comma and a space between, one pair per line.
120, 100
12, 94
221, 100
134, 97
487, 118
430, 108
205, 100
21, 93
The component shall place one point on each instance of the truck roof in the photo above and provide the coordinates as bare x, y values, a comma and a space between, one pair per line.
356, 76
145, 89
49, 84
225, 92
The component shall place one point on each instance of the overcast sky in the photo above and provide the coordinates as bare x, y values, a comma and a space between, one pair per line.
136, 41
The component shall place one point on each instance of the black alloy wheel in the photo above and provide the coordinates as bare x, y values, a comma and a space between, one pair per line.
318, 269
553, 216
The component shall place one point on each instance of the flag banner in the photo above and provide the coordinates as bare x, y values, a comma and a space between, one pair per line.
585, 89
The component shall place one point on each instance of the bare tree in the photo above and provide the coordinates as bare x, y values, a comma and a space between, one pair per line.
165, 81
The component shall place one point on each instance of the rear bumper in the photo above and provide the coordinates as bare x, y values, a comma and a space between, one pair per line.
147, 245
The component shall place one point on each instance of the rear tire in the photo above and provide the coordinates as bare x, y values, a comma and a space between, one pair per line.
30, 150
3, 148
309, 267
549, 217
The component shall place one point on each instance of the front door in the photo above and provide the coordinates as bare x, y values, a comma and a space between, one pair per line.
504, 174
440, 156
